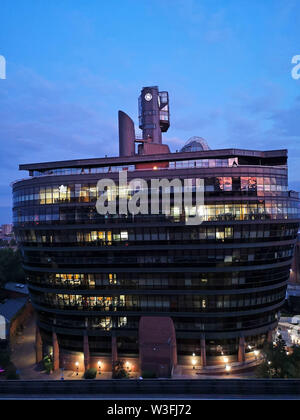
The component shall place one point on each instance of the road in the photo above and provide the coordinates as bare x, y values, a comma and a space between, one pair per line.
23, 353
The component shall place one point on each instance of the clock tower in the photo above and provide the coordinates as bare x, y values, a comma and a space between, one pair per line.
154, 119
153, 114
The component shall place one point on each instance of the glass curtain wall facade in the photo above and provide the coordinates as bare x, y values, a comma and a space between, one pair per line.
221, 280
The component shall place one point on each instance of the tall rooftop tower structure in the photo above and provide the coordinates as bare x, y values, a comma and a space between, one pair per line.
154, 119
154, 115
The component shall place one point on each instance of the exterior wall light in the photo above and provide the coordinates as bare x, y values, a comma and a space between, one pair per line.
99, 366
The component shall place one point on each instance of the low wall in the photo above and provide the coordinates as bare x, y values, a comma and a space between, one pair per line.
68, 361
186, 361
150, 386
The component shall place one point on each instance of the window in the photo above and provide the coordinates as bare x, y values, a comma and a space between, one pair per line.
124, 235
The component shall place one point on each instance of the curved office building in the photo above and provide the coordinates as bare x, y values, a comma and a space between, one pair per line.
92, 277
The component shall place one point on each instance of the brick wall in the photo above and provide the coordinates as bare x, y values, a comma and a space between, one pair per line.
21, 318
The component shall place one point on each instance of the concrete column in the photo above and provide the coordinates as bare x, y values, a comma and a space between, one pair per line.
203, 351
270, 336
241, 354
38, 345
86, 352
55, 351
174, 354
114, 350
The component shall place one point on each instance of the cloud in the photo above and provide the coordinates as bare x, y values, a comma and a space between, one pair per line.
39, 119
45, 121
5, 214
175, 143
201, 22
286, 122
217, 29
266, 124
262, 105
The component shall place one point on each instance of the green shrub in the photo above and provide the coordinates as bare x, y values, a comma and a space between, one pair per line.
119, 371
48, 364
12, 374
4, 359
90, 373
10, 266
278, 363
147, 374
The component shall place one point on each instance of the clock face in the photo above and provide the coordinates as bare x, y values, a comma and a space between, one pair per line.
148, 97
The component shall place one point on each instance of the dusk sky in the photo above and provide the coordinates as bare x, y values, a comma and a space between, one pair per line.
72, 64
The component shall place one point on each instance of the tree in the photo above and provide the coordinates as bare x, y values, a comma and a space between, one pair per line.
48, 364
119, 371
10, 266
295, 360
2, 278
12, 242
278, 363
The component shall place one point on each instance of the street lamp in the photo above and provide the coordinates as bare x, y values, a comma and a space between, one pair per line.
228, 369
63, 370
194, 362
127, 364
77, 367
99, 366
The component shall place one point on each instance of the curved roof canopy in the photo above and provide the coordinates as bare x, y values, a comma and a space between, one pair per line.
195, 144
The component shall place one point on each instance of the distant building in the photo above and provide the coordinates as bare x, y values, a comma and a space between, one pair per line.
14, 313
289, 329
15, 309
16, 290
6, 230
293, 290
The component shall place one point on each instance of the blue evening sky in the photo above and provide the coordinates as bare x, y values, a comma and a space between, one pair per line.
71, 64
